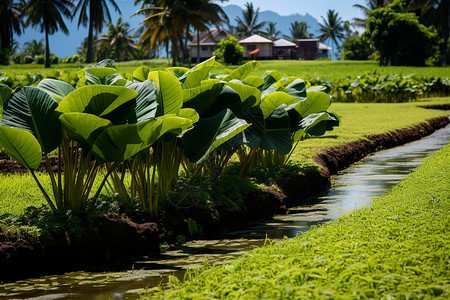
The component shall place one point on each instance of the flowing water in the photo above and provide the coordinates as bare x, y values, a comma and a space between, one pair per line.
351, 189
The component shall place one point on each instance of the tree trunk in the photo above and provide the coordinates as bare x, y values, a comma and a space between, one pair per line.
47, 50
90, 34
446, 32
198, 46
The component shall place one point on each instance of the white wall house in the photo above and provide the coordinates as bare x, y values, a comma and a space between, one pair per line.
257, 42
208, 43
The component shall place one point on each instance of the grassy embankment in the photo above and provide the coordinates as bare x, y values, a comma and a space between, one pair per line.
287, 67
358, 120
399, 248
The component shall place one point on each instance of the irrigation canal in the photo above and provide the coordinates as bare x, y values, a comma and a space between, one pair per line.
352, 188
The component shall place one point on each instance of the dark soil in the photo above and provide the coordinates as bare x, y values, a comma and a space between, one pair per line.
112, 239
437, 106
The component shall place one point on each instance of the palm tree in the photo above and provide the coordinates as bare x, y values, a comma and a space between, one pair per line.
370, 6
10, 23
298, 30
271, 32
119, 40
97, 13
249, 26
331, 28
48, 15
34, 47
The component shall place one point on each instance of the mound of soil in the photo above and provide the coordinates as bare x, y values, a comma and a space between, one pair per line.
113, 240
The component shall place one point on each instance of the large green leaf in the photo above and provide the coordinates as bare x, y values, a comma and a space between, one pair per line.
170, 93
99, 100
100, 75
241, 72
296, 88
277, 135
141, 73
33, 110
315, 102
254, 81
5, 92
83, 128
22, 146
210, 133
178, 71
56, 88
316, 124
194, 77
120, 142
202, 98
272, 101
271, 78
146, 101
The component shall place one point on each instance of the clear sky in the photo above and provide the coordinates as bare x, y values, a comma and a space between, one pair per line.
316, 8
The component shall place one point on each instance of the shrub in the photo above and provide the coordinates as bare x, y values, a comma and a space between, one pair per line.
357, 48
230, 51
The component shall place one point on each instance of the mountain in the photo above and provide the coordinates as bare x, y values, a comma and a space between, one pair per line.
283, 22
63, 45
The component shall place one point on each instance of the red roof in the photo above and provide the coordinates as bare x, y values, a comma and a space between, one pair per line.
254, 51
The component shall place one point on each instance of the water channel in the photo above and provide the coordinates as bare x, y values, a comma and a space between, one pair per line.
351, 189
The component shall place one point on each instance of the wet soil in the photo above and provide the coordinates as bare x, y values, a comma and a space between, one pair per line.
117, 240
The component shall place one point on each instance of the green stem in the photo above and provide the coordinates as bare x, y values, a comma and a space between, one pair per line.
49, 201
91, 205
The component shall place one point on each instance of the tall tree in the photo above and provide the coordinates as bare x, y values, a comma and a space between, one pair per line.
34, 47
95, 12
118, 39
331, 28
248, 25
370, 6
10, 23
271, 31
298, 30
48, 16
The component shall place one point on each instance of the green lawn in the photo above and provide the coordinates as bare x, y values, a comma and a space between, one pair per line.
399, 248
287, 67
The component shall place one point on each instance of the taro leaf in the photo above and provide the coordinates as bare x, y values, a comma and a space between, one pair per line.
141, 73
194, 77
189, 113
236, 97
83, 128
5, 92
178, 71
254, 81
22, 146
210, 133
271, 78
101, 75
241, 72
296, 88
146, 101
316, 88
274, 100
99, 100
277, 134
33, 110
316, 124
202, 98
169, 94
107, 63
56, 88
251, 136
120, 142
315, 102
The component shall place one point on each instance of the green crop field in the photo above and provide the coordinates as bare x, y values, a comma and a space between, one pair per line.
396, 249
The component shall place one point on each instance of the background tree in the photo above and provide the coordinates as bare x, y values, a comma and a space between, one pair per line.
229, 51
399, 37
34, 47
271, 31
331, 28
95, 12
118, 41
357, 48
10, 23
298, 30
248, 25
371, 5
48, 16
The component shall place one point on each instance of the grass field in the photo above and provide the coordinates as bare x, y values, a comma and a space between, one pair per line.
358, 120
399, 248
287, 67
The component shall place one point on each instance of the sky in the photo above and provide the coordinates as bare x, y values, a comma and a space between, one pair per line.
63, 45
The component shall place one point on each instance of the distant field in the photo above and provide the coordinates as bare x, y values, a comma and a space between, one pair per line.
287, 67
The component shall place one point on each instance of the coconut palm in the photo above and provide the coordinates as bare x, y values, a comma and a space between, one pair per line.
48, 16
271, 31
298, 30
248, 25
119, 40
331, 28
370, 6
95, 12
34, 47
10, 23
